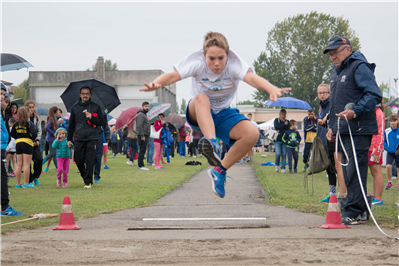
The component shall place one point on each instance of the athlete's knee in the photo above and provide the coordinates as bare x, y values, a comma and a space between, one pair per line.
202, 99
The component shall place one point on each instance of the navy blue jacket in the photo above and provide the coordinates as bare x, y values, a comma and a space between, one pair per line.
281, 127
354, 82
321, 130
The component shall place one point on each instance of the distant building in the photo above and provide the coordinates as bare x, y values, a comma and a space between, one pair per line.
46, 87
261, 115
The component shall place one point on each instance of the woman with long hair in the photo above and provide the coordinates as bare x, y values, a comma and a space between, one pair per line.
24, 133
51, 127
37, 156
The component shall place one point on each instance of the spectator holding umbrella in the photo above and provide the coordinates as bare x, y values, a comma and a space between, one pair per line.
85, 117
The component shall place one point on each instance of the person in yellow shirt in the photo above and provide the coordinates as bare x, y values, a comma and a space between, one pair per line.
310, 131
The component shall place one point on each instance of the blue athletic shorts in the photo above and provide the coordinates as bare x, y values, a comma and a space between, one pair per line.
224, 121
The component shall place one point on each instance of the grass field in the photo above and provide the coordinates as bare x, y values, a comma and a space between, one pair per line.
121, 187
288, 190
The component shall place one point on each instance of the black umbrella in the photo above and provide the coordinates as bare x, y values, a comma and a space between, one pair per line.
102, 94
13, 62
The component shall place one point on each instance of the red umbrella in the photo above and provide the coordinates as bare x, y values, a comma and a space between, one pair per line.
126, 117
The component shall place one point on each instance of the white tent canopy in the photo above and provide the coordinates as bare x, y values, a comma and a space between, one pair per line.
267, 125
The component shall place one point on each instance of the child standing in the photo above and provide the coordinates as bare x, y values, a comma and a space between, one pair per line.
216, 72
63, 155
24, 133
114, 141
391, 141
292, 139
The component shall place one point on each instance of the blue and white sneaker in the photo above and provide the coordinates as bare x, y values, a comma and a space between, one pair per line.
326, 200
10, 212
31, 185
211, 150
36, 181
218, 178
377, 202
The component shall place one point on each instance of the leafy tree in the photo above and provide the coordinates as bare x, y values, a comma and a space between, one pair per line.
294, 54
107, 65
249, 102
183, 106
22, 91
177, 108
387, 110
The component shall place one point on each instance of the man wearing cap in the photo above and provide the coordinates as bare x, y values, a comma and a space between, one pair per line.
354, 95
85, 117
6, 210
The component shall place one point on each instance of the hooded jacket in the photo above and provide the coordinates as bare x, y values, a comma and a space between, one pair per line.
354, 82
292, 138
63, 151
309, 128
4, 132
78, 122
143, 126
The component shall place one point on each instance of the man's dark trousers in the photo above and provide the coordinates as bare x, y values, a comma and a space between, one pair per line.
99, 156
143, 148
292, 152
37, 159
4, 186
355, 203
85, 156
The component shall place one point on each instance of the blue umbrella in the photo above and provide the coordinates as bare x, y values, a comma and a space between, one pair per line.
13, 62
41, 111
109, 117
289, 102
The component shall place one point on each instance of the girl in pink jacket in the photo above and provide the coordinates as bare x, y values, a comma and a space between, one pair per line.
375, 156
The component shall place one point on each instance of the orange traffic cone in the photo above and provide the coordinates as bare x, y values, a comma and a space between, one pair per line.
67, 220
333, 219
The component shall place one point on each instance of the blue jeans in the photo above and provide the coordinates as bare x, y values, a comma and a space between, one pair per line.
126, 148
134, 148
42, 144
280, 152
150, 151
182, 148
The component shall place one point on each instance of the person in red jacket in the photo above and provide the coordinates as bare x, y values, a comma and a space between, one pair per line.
182, 142
375, 156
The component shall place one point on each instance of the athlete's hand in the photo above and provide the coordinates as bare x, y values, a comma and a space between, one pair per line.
151, 87
276, 92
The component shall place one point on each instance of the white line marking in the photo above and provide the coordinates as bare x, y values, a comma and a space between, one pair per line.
201, 219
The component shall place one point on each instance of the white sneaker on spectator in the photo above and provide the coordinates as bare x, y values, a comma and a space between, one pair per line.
143, 168
277, 168
394, 177
283, 171
130, 163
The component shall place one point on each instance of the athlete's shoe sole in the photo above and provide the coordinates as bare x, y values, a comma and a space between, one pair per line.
205, 147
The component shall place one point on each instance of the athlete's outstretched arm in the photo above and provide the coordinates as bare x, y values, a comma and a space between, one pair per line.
264, 85
163, 80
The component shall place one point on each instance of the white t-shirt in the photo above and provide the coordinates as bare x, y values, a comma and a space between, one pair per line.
220, 88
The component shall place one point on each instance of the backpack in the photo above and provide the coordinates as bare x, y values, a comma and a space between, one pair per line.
271, 134
131, 133
318, 157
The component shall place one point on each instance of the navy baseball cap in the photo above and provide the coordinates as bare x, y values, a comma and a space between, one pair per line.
3, 87
336, 42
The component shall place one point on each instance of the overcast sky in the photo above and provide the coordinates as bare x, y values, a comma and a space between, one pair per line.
59, 36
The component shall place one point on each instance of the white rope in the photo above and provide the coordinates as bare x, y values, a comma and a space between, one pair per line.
357, 170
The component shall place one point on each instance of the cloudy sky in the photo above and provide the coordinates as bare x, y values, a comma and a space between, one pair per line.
68, 36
